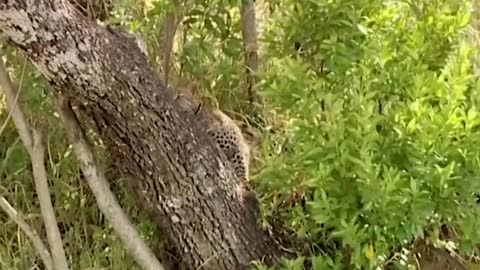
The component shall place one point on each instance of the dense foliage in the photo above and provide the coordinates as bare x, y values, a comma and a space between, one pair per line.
383, 145
369, 128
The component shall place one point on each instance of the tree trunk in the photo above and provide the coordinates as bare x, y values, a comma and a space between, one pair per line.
167, 40
249, 31
181, 174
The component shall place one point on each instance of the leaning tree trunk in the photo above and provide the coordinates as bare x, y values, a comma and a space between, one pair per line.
178, 169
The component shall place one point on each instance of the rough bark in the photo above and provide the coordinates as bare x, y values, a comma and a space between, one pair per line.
170, 158
106, 200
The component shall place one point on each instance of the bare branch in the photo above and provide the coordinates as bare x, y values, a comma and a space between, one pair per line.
105, 199
46, 207
29, 232
37, 152
16, 112
14, 104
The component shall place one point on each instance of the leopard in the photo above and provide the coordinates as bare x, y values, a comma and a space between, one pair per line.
226, 134
229, 138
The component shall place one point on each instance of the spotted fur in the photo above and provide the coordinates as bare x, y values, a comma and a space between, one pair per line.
229, 138
224, 131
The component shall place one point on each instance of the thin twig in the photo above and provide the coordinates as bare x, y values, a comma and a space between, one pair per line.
29, 232
37, 152
17, 114
106, 200
15, 100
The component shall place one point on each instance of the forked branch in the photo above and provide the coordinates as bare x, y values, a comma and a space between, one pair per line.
32, 139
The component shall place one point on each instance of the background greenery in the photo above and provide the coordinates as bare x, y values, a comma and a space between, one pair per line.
369, 133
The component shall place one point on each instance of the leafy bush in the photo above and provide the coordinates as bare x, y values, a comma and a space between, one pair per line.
374, 111
384, 144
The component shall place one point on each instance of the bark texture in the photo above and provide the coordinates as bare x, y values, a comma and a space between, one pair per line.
182, 175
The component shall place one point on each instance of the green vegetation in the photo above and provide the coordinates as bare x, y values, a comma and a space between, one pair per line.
384, 145
370, 134
88, 239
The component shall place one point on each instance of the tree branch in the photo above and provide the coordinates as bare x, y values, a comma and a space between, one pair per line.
15, 111
99, 185
29, 232
37, 152
46, 207
14, 103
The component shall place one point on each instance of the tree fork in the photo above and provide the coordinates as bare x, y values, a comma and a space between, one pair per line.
180, 172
